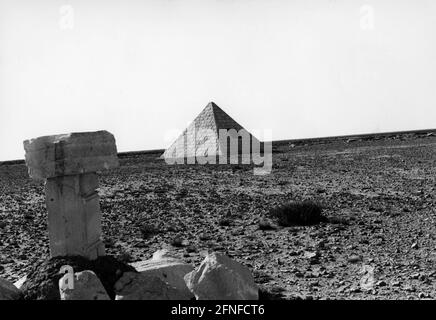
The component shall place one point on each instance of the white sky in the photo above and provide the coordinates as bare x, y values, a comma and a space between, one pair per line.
144, 69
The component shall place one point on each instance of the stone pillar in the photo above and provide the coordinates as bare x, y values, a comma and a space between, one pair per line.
68, 164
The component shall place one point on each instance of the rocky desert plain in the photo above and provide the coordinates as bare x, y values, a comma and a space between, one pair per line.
377, 192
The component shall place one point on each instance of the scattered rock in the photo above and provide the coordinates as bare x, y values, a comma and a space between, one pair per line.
162, 254
85, 286
367, 278
381, 283
354, 259
313, 257
409, 288
225, 222
168, 269
395, 283
221, 278
423, 295
310, 254
204, 237
20, 282
137, 286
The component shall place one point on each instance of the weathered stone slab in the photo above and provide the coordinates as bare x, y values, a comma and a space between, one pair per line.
168, 269
87, 286
70, 154
137, 286
8, 291
74, 219
221, 278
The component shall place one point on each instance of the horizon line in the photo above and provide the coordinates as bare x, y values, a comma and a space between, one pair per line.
151, 151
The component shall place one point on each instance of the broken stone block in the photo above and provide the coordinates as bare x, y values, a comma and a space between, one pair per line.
221, 278
70, 154
8, 291
69, 163
85, 286
137, 286
168, 269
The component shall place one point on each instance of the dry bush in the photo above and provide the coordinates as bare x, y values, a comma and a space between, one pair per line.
147, 230
298, 213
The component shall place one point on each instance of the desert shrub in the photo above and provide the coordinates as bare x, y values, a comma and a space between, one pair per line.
124, 256
177, 241
275, 293
148, 230
225, 222
300, 213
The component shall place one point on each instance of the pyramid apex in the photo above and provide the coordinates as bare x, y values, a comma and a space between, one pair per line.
213, 106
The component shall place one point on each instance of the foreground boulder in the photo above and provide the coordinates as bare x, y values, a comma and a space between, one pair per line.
43, 278
86, 286
221, 278
168, 269
8, 291
137, 286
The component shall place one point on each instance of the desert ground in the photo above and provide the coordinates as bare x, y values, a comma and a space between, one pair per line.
378, 194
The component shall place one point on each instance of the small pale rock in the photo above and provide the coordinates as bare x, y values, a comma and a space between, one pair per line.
221, 278
415, 275
310, 254
8, 291
381, 283
161, 254
137, 286
87, 286
354, 259
395, 283
20, 282
423, 295
367, 279
168, 269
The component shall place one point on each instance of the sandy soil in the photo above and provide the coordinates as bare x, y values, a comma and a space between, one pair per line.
380, 195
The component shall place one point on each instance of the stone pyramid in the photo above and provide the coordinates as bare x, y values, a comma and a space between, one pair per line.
201, 138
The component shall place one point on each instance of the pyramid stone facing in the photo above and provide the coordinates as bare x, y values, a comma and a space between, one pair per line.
201, 138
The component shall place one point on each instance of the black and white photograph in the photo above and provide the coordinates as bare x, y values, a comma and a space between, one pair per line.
239, 151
